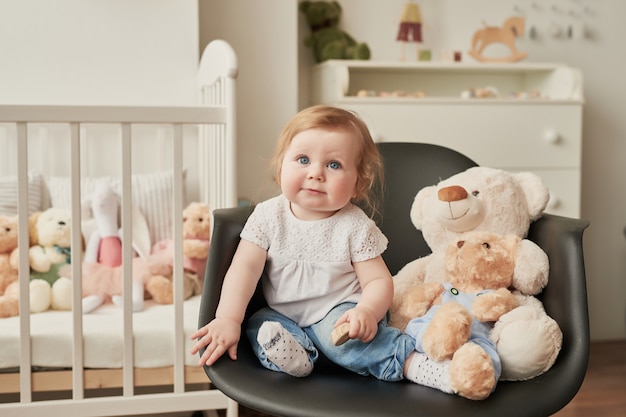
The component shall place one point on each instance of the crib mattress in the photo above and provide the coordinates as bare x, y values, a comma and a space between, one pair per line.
51, 337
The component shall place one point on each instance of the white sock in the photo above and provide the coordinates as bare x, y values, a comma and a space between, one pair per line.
425, 371
283, 350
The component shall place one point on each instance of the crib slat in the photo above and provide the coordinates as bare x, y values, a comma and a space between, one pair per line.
24, 266
127, 255
179, 334
76, 248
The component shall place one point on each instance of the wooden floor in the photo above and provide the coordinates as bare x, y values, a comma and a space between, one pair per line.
603, 392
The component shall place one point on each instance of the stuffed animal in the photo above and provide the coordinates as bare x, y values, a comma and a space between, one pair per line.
451, 320
50, 260
102, 266
487, 199
326, 39
196, 240
9, 297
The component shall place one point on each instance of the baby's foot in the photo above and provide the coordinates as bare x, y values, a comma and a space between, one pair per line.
283, 350
425, 371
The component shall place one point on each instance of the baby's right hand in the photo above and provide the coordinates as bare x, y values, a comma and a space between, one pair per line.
219, 336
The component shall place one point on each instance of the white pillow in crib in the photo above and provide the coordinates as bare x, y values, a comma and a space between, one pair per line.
8, 194
152, 194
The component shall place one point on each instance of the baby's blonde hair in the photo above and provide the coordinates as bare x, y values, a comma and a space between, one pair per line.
369, 161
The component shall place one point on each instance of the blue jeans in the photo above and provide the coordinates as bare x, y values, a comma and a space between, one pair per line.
383, 357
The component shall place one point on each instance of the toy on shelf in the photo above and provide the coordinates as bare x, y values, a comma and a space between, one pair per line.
480, 92
410, 24
327, 40
512, 28
395, 93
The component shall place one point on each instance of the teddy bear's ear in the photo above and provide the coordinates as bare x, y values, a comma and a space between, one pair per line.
33, 236
417, 213
535, 191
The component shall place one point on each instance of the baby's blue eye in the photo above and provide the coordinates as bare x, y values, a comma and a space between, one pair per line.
334, 165
303, 160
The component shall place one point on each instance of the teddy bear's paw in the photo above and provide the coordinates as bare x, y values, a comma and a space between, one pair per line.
472, 374
40, 296
9, 301
8, 307
528, 342
161, 290
62, 294
447, 332
491, 306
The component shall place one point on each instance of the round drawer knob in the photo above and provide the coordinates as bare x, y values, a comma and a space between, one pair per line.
551, 136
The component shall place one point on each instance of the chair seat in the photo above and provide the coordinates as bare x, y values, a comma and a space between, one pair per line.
335, 392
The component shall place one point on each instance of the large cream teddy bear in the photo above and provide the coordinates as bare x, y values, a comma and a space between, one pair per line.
196, 240
50, 261
487, 199
451, 321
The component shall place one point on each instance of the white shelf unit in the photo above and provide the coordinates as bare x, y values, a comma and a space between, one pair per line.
542, 135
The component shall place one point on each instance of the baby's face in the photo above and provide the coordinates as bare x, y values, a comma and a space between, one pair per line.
319, 172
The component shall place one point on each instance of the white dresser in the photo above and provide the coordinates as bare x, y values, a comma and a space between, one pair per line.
511, 131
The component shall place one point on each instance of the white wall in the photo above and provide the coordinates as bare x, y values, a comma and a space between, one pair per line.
98, 52
263, 36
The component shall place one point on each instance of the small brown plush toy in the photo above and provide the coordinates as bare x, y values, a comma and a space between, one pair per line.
452, 320
196, 242
9, 296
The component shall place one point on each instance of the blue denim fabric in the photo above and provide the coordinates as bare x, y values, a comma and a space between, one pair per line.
383, 357
479, 332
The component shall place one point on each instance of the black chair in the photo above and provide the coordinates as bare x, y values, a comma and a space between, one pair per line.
332, 391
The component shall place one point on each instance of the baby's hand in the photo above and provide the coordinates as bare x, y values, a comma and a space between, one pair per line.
363, 325
219, 336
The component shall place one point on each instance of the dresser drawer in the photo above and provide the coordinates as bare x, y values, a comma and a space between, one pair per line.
508, 135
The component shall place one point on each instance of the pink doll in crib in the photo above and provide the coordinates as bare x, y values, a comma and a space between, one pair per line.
102, 266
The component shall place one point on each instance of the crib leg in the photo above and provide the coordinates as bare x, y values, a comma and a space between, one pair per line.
233, 409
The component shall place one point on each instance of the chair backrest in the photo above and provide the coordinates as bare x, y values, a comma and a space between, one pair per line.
410, 167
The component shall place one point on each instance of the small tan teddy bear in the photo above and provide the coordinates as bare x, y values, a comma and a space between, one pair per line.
9, 296
451, 321
196, 239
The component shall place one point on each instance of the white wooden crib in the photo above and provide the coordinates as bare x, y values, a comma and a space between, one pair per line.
114, 361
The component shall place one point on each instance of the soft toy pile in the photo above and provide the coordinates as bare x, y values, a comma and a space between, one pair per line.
527, 340
326, 40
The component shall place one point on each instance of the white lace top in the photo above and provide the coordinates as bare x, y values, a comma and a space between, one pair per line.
310, 262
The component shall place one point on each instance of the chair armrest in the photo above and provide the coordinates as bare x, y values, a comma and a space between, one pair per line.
227, 225
565, 296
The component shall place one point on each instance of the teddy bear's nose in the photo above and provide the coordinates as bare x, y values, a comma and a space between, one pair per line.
460, 244
61, 223
452, 193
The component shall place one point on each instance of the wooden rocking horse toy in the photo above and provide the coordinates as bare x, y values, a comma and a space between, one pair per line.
512, 28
